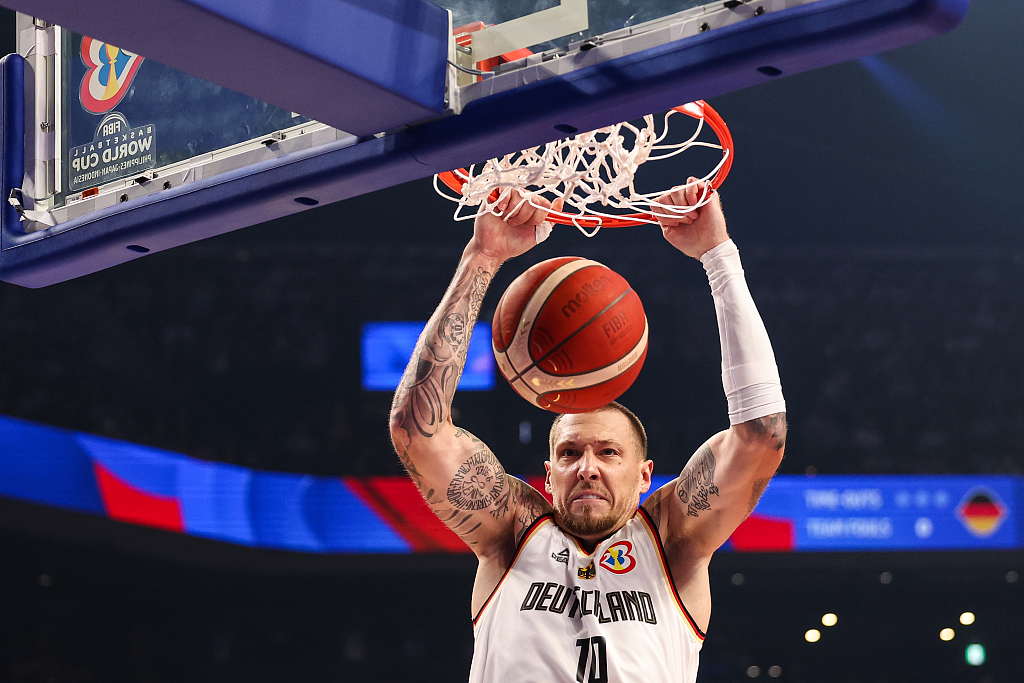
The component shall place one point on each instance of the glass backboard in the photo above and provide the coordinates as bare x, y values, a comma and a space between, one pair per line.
125, 126
419, 88
111, 97
589, 18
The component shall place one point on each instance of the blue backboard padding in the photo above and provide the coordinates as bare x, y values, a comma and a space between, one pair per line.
204, 208
46, 465
400, 45
701, 66
363, 66
218, 501
723, 60
387, 346
12, 129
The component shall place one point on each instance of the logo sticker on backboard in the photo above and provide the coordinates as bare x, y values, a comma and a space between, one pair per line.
981, 511
617, 558
116, 151
109, 74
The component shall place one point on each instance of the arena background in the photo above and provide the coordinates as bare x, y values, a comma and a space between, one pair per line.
877, 206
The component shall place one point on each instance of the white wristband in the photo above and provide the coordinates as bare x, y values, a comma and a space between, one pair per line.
749, 374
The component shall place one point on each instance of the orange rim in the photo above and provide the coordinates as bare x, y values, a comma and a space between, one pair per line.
698, 110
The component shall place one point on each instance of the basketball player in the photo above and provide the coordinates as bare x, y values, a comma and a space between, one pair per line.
592, 588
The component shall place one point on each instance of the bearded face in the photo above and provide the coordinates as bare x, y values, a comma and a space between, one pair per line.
586, 520
595, 475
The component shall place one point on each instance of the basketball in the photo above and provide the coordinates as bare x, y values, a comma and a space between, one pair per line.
570, 335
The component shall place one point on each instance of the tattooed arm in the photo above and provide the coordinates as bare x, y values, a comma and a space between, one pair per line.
719, 486
717, 489
460, 478
722, 482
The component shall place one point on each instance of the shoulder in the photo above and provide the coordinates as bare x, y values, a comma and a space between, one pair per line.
529, 506
519, 505
653, 507
527, 510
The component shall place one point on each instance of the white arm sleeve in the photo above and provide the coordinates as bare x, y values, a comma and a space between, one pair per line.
749, 373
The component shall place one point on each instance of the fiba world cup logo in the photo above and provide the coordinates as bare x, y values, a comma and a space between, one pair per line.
109, 73
617, 559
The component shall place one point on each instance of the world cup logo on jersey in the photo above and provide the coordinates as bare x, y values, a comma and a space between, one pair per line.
109, 73
617, 558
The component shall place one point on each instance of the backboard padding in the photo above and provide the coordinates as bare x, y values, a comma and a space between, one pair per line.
362, 67
497, 122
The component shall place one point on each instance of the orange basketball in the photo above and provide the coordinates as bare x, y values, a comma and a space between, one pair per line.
570, 335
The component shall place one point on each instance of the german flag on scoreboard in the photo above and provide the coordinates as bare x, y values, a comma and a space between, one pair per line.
981, 512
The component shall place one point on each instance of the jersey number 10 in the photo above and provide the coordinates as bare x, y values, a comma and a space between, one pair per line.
598, 663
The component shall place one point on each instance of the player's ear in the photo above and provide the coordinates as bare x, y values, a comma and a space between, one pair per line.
547, 476
646, 470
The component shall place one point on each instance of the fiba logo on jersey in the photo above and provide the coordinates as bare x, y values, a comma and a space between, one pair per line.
617, 558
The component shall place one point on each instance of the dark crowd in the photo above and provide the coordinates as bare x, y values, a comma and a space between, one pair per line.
246, 349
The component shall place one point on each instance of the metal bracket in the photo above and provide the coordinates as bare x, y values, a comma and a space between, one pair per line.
44, 217
569, 17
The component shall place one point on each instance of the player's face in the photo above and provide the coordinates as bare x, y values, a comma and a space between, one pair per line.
595, 475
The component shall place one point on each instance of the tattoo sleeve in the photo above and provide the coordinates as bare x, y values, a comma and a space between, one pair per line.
478, 483
476, 493
697, 482
424, 397
773, 428
531, 505
481, 482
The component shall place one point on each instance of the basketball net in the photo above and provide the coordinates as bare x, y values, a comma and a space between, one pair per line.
590, 173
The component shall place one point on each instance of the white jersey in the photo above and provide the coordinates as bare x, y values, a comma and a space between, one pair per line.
560, 614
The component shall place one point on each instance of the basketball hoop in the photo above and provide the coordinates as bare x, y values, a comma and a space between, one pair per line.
590, 171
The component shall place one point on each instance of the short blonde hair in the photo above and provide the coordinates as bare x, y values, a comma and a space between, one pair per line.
639, 433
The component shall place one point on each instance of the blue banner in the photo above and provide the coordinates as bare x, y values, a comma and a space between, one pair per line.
147, 486
874, 512
897, 512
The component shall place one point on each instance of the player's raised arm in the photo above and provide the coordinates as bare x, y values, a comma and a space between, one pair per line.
460, 478
722, 482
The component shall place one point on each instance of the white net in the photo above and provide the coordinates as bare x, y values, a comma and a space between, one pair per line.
592, 173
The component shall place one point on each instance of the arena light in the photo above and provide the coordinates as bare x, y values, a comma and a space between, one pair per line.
812, 636
829, 619
967, 618
947, 634
974, 654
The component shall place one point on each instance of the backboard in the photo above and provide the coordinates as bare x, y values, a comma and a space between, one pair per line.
124, 126
289, 105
